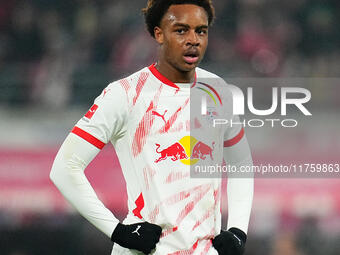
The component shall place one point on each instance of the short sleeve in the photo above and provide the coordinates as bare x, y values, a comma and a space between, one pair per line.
106, 119
234, 132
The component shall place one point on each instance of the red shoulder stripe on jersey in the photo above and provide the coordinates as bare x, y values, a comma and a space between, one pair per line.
235, 140
88, 137
165, 80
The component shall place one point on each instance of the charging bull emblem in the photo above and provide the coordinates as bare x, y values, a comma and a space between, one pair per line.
188, 150
175, 151
201, 150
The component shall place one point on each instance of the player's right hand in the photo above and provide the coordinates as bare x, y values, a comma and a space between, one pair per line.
139, 236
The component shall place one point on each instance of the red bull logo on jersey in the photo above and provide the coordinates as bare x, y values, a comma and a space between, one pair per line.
175, 152
201, 150
187, 150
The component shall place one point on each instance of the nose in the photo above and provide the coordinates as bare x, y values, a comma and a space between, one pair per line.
192, 38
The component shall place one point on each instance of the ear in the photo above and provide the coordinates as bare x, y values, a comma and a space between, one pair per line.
159, 36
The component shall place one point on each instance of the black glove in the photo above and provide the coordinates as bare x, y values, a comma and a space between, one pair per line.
139, 236
231, 242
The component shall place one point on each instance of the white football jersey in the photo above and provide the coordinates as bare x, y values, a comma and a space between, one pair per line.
149, 121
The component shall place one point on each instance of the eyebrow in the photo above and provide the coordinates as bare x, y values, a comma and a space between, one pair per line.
187, 26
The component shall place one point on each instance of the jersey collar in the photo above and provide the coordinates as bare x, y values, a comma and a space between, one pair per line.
165, 80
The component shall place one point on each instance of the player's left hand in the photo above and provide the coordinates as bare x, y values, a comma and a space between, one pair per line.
231, 242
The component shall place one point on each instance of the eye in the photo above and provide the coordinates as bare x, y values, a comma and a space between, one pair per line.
202, 32
180, 31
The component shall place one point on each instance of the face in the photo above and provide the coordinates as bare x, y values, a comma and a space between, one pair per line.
183, 36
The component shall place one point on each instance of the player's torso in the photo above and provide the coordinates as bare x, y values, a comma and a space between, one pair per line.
165, 138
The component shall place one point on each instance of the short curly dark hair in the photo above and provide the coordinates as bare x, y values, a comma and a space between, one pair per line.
155, 10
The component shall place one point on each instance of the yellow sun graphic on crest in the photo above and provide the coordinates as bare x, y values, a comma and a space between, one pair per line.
188, 143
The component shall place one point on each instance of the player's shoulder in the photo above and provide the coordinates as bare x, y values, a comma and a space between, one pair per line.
205, 74
127, 82
215, 82
212, 79
131, 78
137, 75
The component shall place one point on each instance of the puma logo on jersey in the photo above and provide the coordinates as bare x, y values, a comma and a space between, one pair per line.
160, 115
136, 230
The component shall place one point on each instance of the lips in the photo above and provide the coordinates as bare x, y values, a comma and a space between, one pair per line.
191, 56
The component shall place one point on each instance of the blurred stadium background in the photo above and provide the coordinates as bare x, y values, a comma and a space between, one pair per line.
56, 56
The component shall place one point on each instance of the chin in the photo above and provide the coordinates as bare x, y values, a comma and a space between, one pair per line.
185, 67
188, 67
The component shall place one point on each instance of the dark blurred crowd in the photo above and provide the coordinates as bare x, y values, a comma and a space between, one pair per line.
56, 234
61, 52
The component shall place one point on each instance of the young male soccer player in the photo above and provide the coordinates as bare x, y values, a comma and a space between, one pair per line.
146, 116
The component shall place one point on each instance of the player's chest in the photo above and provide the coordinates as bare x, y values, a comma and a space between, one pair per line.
173, 114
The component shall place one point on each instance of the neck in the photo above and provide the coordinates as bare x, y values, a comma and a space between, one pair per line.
175, 75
